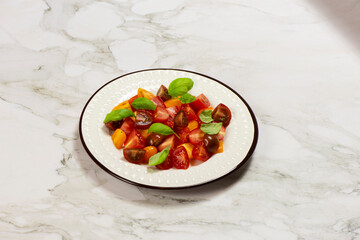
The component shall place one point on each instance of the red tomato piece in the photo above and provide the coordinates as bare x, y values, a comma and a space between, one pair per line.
135, 140
167, 164
180, 158
172, 111
161, 115
221, 133
200, 102
127, 126
196, 136
184, 136
190, 113
200, 153
168, 141
158, 101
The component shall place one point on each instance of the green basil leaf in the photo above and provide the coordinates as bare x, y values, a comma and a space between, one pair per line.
211, 128
143, 103
161, 129
119, 114
205, 116
160, 157
187, 98
180, 86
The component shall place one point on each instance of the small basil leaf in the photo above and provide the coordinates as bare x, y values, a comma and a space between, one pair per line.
180, 86
160, 157
161, 129
143, 103
211, 128
187, 98
119, 114
205, 116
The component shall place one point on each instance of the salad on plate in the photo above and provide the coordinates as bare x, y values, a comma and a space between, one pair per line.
173, 129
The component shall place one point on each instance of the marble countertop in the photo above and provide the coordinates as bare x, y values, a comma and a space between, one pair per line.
296, 62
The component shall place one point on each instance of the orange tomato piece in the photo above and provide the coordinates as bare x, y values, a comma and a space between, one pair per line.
144, 132
173, 102
145, 94
149, 151
123, 105
221, 147
189, 148
118, 138
192, 125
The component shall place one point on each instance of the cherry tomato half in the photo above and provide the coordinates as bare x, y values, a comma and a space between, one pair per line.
180, 158
200, 102
200, 152
134, 155
135, 140
143, 119
161, 115
196, 136
127, 126
222, 114
190, 113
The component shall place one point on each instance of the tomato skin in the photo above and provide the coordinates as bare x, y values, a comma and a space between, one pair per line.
135, 140
134, 155
161, 115
143, 119
158, 102
127, 126
184, 136
168, 141
200, 152
180, 158
190, 113
196, 136
222, 114
200, 102
167, 164
221, 133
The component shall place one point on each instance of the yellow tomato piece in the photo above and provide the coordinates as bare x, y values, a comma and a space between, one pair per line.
189, 148
173, 102
221, 147
149, 151
118, 138
123, 105
144, 132
193, 125
145, 94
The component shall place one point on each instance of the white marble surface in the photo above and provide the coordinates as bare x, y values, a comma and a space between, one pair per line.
296, 62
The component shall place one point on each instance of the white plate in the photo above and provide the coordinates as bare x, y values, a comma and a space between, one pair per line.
239, 142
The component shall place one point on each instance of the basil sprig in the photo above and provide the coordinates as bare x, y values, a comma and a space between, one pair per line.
160, 157
117, 115
205, 116
180, 86
211, 128
161, 129
187, 98
143, 103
